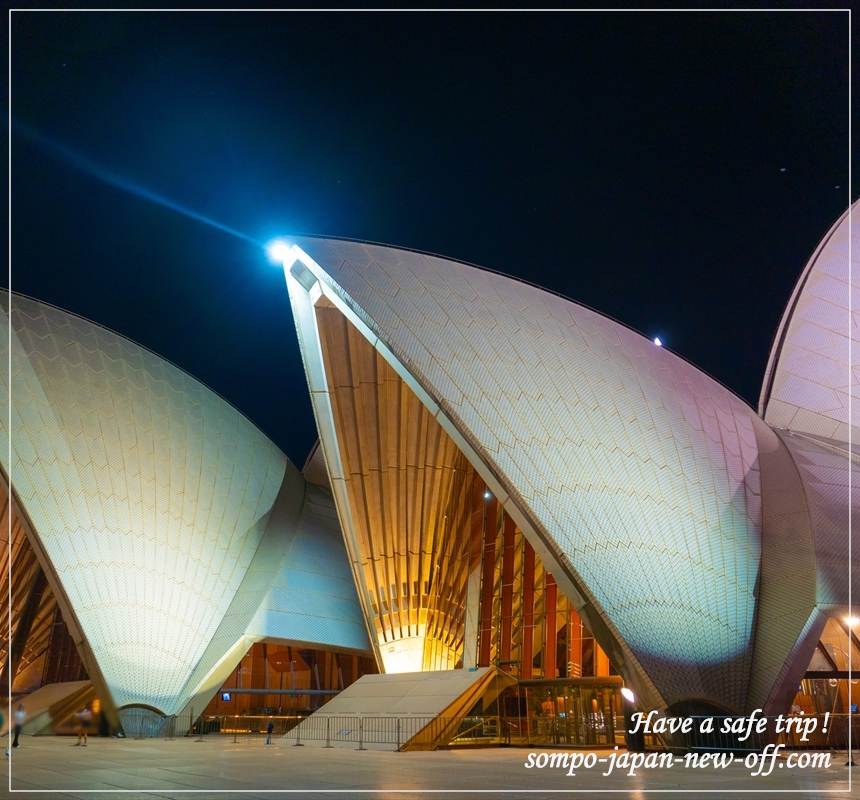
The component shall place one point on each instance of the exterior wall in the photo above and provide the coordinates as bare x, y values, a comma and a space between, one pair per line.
633, 474
150, 499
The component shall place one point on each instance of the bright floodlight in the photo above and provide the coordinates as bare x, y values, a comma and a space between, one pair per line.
658, 341
487, 495
852, 622
278, 251
628, 695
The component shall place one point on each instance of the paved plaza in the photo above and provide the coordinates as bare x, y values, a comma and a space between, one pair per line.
171, 768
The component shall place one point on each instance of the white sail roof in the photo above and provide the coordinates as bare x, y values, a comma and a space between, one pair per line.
166, 516
637, 468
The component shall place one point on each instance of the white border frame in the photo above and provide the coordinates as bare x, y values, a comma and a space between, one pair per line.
467, 450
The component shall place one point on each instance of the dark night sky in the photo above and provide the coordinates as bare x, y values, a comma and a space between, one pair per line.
632, 162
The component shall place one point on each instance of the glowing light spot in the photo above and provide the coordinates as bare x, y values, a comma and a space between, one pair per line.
658, 341
852, 622
628, 695
487, 495
278, 251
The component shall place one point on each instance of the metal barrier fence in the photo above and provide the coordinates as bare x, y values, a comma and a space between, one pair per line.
363, 730
482, 729
455, 731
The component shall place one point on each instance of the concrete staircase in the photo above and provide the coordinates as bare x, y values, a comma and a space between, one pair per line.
403, 711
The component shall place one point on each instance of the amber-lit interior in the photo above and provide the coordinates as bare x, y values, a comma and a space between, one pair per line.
825, 686
527, 625
291, 673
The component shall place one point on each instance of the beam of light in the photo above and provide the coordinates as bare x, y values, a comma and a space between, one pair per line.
83, 164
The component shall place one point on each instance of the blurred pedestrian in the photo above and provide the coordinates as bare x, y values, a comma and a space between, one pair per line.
20, 719
269, 728
85, 717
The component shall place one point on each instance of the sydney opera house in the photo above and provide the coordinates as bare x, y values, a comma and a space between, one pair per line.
509, 488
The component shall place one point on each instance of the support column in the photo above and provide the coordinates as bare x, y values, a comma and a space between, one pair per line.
528, 610
473, 581
574, 656
507, 590
550, 647
601, 661
488, 570
473, 611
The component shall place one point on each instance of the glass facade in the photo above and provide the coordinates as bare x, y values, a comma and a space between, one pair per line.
573, 712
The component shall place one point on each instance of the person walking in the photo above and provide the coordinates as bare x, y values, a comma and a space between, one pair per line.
269, 728
20, 719
85, 716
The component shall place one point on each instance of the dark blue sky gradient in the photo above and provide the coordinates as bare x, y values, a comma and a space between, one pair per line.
629, 161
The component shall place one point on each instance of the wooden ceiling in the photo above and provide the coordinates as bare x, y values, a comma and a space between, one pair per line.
413, 497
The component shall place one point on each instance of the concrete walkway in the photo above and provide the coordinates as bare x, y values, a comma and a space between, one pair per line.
248, 766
